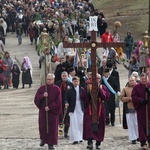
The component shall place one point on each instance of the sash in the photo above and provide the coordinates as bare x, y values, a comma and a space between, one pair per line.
108, 85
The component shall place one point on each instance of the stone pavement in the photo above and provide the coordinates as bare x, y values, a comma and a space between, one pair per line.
19, 116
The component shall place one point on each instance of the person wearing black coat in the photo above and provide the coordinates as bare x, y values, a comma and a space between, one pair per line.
75, 109
59, 70
70, 97
15, 76
64, 85
113, 72
110, 105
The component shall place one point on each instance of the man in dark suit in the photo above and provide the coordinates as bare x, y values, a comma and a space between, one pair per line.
64, 85
110, 82
113, 72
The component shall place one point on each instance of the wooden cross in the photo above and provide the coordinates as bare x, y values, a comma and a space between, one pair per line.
93, 45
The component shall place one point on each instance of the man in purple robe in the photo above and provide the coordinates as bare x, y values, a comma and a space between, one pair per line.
140, 102
53, 108
88, 133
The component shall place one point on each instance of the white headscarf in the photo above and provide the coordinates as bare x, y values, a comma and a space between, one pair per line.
27, 64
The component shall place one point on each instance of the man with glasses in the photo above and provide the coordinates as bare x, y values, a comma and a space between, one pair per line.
48, 113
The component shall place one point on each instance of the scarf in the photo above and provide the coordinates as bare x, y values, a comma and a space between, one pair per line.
108, 85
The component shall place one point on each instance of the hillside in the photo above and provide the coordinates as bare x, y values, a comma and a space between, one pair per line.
133, 15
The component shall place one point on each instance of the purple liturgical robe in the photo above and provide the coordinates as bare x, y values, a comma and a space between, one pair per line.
138, 94
54, 103
87, 120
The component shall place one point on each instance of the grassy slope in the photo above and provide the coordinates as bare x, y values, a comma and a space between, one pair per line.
133, 14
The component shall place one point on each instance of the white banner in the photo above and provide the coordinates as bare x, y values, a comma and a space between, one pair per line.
93, 23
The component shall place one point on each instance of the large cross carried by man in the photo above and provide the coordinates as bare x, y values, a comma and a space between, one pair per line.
93, 45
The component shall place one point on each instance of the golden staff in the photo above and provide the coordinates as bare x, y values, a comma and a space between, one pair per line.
45, 43
47, 129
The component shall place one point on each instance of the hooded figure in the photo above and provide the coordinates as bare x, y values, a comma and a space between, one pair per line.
26, 72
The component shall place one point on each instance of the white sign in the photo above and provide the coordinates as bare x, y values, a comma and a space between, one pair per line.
93, 23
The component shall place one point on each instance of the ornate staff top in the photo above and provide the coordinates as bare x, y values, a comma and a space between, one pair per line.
44, 41
146, 39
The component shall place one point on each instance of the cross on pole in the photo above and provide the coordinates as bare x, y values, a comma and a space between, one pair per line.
93, 45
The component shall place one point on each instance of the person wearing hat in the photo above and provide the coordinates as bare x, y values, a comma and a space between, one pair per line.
72, 73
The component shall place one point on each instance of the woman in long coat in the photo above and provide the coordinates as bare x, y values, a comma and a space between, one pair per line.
26, 69
15, 76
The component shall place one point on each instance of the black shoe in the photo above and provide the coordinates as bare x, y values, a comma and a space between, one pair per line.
65, 135
134, 142
75, 142
81, 141
113, 124
42, 143
29, 85
97, 147
98, 143
50, 147
90, 146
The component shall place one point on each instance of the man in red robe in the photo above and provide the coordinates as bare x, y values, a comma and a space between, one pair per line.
140, 102
53, 109
88, 133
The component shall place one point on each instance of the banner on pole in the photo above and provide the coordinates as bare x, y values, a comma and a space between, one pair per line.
93, 23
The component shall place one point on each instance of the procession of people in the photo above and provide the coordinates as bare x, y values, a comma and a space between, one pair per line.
64, 98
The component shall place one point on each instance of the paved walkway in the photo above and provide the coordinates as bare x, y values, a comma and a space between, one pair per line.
19, 116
